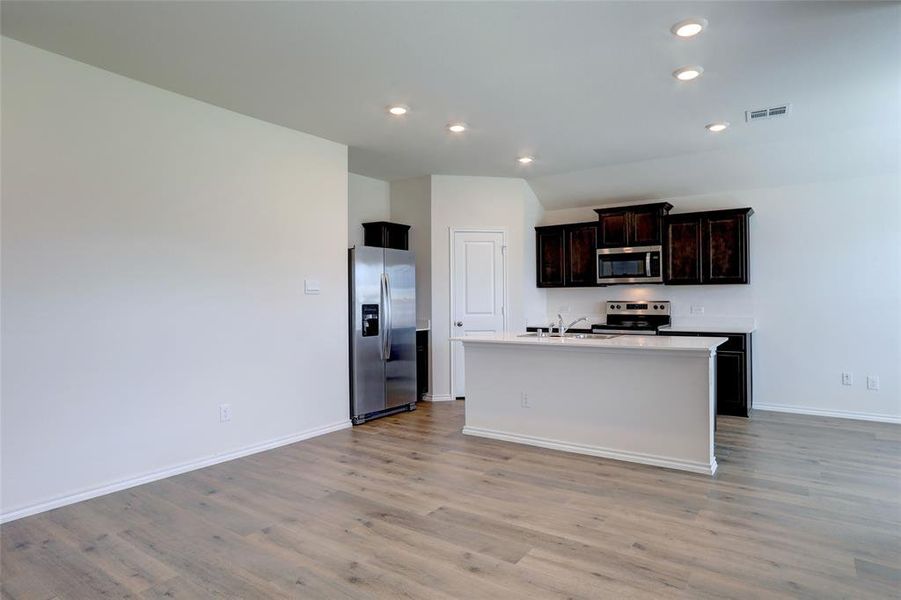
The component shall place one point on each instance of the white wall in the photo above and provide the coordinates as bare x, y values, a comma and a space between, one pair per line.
481, 202
411, 205
154, 250
825, 291
368, 200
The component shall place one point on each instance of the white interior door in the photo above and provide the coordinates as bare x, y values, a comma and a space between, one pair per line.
477, 292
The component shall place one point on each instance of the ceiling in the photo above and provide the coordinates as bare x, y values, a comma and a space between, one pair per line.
584, 86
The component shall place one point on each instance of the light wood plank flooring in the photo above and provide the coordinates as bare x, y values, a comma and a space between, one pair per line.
408, 507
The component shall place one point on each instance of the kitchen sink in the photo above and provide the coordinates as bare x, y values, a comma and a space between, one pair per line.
590, 336
574, 336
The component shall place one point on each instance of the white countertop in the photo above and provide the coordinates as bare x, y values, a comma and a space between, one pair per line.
626, 342
738, 325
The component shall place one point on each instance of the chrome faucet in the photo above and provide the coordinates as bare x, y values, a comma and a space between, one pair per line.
568, 327
559, 324
562, 329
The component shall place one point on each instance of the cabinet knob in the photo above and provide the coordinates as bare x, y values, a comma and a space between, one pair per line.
459, 323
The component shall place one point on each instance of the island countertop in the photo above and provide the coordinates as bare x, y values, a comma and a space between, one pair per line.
624, 342
637, 398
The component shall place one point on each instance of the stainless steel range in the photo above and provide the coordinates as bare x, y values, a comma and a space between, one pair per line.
634, 317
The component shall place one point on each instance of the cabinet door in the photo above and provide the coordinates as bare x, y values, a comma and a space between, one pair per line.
550, 250
581, 255
730, 384
374, 235
422, 363
644, 228
725, 249
397, 237
683, 251
614, 230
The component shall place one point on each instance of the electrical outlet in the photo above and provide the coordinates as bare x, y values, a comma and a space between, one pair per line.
524, 400
872, 382
697, 309
225, 413
847, 378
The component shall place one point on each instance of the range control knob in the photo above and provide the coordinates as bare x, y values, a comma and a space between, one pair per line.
655, 307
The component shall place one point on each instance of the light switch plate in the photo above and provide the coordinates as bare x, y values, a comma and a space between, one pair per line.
847, 378
310, 286
872, 382
697, 309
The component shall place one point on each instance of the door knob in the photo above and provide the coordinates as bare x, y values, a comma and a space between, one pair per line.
459, 323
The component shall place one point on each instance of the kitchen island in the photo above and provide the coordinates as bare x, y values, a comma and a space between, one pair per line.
636, 398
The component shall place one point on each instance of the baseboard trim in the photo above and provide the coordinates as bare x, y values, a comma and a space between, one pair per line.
437, 398
818, 412
123, 484
635, 457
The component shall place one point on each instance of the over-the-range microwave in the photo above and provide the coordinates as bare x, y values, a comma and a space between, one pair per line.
636, 264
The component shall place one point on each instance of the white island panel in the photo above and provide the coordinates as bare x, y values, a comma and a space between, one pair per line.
648, 403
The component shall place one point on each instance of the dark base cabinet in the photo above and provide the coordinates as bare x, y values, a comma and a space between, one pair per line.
733, 372
422, 364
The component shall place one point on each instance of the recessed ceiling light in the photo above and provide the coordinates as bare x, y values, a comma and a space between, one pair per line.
717, 127
688, 73
457, 127
524, 160
398, 110
689, 27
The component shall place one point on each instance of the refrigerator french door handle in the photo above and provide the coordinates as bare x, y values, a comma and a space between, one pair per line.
383, 317
390, 323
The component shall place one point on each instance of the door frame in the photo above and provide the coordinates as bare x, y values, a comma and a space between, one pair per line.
452, 233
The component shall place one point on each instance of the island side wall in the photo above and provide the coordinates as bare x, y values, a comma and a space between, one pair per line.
652, 407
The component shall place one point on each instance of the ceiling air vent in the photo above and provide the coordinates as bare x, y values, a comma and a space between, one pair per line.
767, 113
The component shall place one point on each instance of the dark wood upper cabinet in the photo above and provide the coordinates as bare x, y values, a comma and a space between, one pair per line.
581, 254
384, 234
707, 247
726, 246
567, 255
639, 225
683, 260
699, 248
646, 227
549, 246
613, 228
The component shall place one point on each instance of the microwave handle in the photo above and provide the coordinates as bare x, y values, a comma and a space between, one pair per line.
647, 264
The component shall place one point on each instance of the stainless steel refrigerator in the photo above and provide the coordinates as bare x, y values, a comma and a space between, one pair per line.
382, 332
